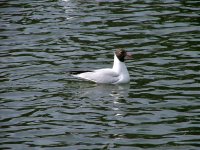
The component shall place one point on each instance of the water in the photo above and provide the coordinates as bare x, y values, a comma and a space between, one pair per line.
42, 107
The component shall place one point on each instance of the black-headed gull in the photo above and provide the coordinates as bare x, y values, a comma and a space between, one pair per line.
118, 74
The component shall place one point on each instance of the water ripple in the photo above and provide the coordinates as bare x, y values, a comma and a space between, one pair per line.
42, 107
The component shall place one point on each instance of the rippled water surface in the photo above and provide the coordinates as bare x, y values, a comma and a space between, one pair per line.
43, 107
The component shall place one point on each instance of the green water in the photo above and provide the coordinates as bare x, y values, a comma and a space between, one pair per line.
42, 107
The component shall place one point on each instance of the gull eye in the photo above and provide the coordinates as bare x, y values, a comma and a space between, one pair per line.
121, 51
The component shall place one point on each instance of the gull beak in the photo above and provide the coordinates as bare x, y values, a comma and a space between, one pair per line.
128, 56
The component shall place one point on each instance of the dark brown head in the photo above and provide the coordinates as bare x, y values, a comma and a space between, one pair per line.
121, 54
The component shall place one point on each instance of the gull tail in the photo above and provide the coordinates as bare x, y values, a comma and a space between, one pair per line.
76, 72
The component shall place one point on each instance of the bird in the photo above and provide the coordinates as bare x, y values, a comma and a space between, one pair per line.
118, 74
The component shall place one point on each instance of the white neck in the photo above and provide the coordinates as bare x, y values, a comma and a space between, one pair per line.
118, 66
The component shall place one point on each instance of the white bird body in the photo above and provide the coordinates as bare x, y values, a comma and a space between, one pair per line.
118, 74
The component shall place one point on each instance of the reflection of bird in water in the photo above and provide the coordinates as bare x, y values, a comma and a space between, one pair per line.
103, 90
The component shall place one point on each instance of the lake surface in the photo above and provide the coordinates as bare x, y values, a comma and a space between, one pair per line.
43, 107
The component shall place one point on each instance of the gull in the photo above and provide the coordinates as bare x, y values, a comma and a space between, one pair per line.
118, 74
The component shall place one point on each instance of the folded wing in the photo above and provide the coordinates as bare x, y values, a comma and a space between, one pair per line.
100, 76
